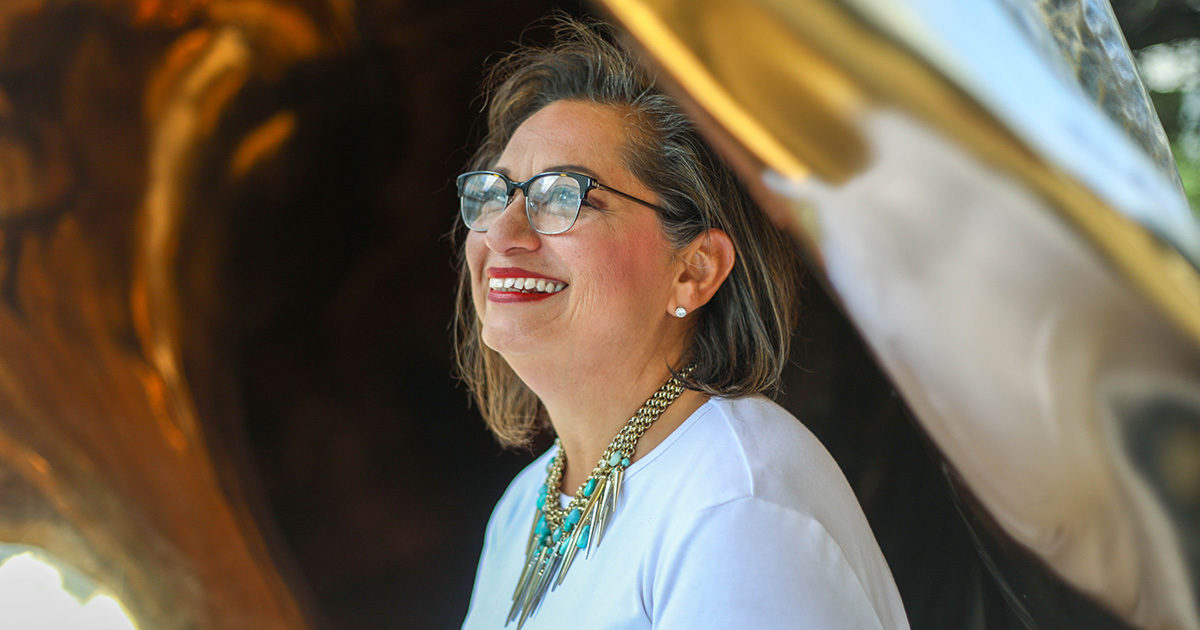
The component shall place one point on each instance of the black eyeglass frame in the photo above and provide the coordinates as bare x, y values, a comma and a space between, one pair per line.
586, 185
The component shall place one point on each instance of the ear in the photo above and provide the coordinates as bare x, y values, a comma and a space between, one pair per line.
704, 265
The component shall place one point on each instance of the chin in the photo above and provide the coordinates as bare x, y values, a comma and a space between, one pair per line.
509, 342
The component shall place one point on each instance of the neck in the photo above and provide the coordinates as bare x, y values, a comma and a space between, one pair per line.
582, 456
591, 391
587, 414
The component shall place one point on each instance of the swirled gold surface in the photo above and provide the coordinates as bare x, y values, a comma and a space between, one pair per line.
108, 114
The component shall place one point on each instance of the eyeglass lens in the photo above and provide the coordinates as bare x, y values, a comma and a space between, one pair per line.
551, 203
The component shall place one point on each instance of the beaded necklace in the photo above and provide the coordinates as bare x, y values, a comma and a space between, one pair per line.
558, 533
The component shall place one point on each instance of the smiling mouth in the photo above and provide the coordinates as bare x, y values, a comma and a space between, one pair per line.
525, 285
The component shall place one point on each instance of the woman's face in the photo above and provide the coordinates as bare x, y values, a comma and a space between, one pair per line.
615, 262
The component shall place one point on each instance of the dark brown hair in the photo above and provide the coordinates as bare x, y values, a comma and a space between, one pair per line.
741, 337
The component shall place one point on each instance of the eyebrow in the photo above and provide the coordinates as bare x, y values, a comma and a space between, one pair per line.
573, 168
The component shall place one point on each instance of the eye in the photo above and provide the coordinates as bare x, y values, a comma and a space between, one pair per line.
563, 194
556, 193
495, 195
484, 189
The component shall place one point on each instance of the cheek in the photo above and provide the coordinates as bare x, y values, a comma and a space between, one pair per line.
475, 251
633, 272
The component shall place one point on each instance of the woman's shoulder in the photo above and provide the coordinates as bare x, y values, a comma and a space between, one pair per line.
752, 447
752, 452
755, 473
516, 504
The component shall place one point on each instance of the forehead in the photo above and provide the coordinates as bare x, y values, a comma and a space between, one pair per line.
568, 133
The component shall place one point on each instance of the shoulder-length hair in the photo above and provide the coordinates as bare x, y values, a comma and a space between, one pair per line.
741, 337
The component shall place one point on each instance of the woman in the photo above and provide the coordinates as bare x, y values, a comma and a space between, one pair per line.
619, 285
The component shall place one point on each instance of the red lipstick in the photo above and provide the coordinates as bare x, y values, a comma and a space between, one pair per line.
517, 296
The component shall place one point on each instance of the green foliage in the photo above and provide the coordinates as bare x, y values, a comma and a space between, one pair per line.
1189, 174
1171, 72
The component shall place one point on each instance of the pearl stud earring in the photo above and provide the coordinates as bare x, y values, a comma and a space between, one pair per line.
680, 312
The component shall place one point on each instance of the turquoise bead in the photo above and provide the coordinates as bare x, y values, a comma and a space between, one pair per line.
541, 502
589, 488
625, 463
562, 547
615, 458
541, 527
571, 519
558, 532
583, 536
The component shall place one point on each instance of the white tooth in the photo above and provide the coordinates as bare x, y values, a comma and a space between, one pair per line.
530, 283
520, 283
495, 283
541, 284
508, 282
558, 286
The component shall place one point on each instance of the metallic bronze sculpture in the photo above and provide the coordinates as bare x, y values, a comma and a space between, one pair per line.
986, 188
110, 449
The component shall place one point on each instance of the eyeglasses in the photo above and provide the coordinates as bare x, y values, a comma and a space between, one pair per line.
552, 200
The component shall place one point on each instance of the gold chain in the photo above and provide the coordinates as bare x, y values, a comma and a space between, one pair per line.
624, 443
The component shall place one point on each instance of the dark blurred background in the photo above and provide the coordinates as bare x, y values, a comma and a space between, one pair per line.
375, 473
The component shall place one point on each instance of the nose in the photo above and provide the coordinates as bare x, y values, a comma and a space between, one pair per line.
511, 230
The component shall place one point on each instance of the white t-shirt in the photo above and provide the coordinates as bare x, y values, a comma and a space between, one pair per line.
739, 519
